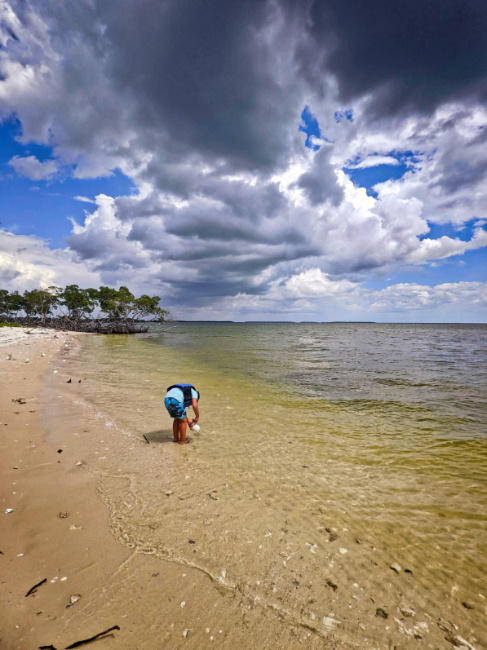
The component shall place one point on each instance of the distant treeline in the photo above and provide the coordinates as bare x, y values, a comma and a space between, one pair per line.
104, 310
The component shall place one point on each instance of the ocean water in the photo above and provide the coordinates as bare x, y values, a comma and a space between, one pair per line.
341, 469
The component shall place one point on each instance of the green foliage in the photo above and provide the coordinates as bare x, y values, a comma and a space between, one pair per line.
147, 306
40, 302
123, 306
11, 303
78, 302
4, 301
9, 325
74, 306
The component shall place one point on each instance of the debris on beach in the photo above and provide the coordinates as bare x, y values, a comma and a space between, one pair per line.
331, 584
8, 357
20, 400
69, 381
8, 511
185, 632
59, 451
76, 644
63, 515
381, 613
73, 599
144, 436
329, 622
395, 567
33, 589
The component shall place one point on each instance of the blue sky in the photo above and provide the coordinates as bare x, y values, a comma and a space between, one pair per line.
42, 207
269, 179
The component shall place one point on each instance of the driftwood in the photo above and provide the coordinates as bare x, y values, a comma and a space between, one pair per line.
102, 635
97, 636
33, 589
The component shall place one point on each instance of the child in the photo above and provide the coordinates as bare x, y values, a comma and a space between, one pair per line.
178, 398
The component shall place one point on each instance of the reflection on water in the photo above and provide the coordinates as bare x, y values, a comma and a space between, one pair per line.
328, 454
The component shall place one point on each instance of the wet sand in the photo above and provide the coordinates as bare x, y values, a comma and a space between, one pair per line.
58, 536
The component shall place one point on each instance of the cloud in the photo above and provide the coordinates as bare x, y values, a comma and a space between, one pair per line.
374, 161
320, 182
313, 296
313, 283
200, 105
27, 262
84, 199
416, 297
405, 58
34, 169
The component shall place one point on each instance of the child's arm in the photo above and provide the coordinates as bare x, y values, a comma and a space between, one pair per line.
194, 404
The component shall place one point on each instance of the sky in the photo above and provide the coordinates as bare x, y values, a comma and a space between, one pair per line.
311, 160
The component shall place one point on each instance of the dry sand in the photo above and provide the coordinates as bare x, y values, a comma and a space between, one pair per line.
58, 534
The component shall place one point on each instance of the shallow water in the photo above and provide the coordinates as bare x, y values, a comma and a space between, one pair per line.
327, 454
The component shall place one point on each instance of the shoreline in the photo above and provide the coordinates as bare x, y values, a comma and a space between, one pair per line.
58, 536
56, 513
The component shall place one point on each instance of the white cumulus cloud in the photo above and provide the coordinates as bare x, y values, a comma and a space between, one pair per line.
32, 168
27, 262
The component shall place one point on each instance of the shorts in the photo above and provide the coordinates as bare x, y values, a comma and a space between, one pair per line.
175, 408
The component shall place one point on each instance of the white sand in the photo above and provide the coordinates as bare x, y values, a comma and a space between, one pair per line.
12, 335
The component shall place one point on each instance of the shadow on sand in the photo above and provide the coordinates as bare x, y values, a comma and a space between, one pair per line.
163, 435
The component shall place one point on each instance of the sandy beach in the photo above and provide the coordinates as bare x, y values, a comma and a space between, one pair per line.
65, 578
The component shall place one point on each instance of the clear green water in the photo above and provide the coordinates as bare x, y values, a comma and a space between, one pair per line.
327, 453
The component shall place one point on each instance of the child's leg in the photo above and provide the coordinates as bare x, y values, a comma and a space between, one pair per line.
175, 429
182, 431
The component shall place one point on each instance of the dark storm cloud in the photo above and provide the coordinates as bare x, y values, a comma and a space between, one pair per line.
412, 54
455, 175
205, 73
320, 182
